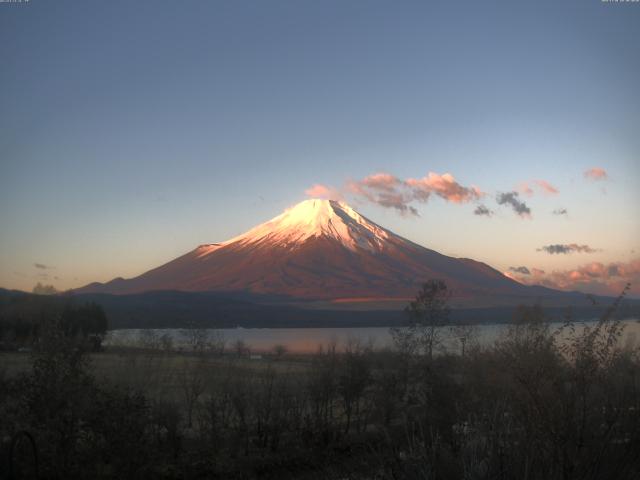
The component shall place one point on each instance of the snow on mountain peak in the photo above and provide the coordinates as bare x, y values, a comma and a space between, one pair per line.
317, 218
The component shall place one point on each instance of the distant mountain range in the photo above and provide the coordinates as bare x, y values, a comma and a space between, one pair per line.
325, 251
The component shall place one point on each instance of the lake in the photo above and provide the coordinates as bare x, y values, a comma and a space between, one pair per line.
307, 340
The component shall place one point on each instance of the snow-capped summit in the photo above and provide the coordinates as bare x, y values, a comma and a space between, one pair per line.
320, 249
317, 218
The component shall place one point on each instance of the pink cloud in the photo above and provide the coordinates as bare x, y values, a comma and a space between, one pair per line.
594, 277
546, 187
390, 191
385, 190
510, 275
445, 186
381, 181
596, 173
323, 191
526, 188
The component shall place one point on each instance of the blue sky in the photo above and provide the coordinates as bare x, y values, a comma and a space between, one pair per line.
132, 131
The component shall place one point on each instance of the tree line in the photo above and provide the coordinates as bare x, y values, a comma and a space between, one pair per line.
22, 317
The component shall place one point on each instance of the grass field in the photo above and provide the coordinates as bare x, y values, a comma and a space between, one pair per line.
162, 375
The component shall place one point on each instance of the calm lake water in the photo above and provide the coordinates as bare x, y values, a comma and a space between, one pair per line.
307, 340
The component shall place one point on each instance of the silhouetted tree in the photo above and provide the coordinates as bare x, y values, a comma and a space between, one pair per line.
41, 289
427, 313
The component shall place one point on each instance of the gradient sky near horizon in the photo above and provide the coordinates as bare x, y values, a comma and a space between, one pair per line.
130, 132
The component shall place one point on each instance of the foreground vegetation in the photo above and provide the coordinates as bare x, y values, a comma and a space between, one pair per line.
527, 407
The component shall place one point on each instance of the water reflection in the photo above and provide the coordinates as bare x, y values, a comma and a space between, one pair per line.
308, 340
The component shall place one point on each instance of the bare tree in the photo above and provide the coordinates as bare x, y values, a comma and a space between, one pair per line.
465, 334
149, 339
197, 338
354, 378
217, 342
279, 350
427, 313
192, 386
166, 342
241, 348
321, 389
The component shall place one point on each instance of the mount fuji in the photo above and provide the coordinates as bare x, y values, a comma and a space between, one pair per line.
321, 250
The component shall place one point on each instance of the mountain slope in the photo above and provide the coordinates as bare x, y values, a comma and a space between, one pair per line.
318, 249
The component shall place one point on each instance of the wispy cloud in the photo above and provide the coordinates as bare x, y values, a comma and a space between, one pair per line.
389, 191
526, 188
483, 210
523, 270
560, 211
381, 181
596, 173
319, 190
567, 248
385, 190
546, 187
445, 186
403, 194
511, 198
42, 266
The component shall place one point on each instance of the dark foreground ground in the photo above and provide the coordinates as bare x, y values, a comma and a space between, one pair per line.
522, 408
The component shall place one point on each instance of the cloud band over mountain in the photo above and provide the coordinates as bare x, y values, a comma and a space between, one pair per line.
595, 277
390, 191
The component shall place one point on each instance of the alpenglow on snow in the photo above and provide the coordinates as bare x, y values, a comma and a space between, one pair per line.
317, 249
